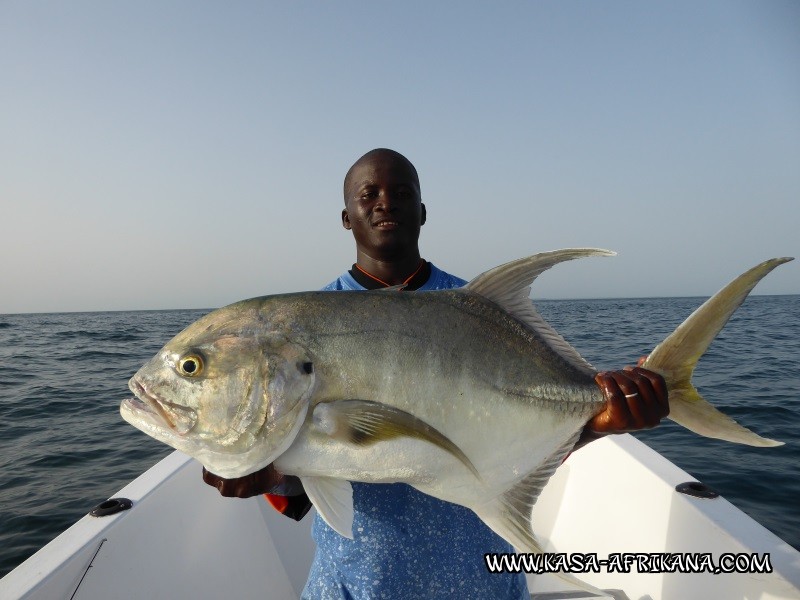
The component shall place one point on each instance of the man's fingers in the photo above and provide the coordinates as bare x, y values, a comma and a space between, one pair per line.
646, 394
223, 485
265, 481
636, 399
616, 416
659, 389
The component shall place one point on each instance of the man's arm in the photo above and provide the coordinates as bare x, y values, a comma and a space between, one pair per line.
284, 492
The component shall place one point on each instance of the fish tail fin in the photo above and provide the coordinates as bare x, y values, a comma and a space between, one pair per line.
675, 359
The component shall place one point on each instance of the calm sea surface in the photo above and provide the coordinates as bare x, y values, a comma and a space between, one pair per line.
64, 447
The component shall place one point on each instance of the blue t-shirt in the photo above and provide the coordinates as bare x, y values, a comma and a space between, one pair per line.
407, 544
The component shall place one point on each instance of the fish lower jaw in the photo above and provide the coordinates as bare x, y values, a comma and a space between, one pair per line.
166, 415
140, 415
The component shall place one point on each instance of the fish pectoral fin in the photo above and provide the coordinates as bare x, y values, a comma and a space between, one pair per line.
364, 422
333, 499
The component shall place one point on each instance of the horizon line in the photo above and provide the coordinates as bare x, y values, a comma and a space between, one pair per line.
534, 300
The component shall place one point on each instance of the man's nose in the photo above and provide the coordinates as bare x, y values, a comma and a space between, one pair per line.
386, 201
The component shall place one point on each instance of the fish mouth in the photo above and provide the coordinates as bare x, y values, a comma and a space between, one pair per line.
145, 404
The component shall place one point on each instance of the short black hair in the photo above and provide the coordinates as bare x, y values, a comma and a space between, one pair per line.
393, 153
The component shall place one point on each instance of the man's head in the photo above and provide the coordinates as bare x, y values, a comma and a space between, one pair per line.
383, 205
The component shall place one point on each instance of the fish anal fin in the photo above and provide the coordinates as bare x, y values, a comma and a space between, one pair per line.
509, 515
510, 512
363, 422
333, 499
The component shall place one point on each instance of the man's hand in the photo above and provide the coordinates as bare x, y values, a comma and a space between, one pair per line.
284, 492
265, 481
635, 399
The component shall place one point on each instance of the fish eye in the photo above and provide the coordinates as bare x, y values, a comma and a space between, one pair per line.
190, 365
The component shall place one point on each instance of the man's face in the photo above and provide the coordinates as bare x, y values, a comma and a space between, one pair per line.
383, 208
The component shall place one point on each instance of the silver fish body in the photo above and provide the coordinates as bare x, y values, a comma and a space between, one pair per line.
467, 394
456, 361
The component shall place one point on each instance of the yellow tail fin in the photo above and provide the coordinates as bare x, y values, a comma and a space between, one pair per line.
676, 357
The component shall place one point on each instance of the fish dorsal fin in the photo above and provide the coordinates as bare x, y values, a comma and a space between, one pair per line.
333, 499
509, 286
363, 422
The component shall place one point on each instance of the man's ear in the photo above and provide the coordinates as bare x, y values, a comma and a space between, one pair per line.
345, 219
424, 215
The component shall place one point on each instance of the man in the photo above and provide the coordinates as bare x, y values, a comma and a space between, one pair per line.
407, 544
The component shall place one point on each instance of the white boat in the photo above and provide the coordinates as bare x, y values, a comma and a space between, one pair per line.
180, 539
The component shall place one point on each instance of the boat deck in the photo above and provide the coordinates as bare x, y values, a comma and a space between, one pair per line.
181, 539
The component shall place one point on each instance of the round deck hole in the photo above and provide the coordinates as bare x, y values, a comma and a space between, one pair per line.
696, 489
111, 507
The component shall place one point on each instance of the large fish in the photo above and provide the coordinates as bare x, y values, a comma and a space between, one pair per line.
468, 394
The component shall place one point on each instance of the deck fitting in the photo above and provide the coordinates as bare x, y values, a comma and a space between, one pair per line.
697, 489
111, 507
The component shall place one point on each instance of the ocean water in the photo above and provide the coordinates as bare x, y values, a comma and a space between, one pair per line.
64, 447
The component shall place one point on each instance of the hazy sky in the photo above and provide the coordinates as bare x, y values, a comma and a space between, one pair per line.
190, 154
